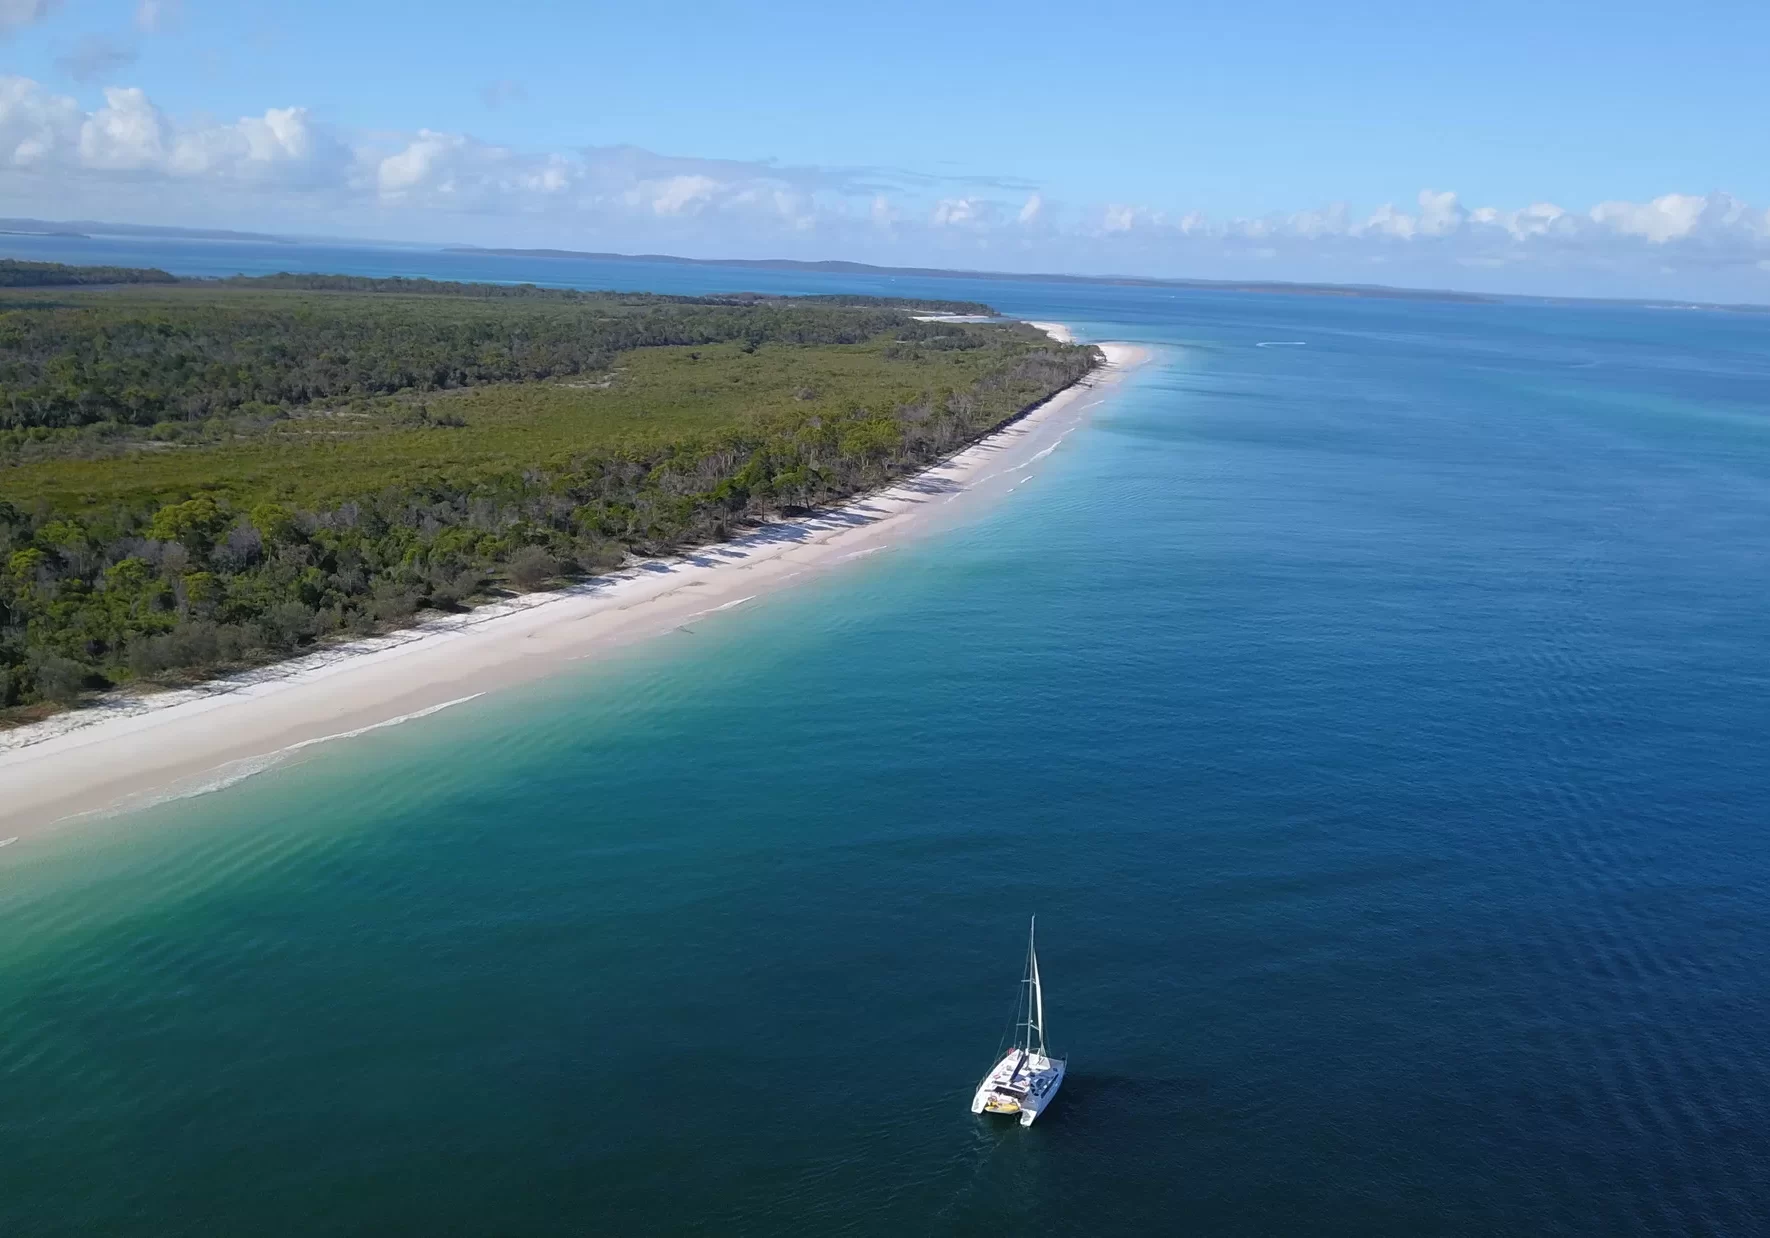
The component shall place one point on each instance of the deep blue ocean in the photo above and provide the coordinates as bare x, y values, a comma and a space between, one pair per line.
1371, 701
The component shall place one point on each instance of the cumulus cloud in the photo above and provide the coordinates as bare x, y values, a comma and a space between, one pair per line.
455, 171
426, 164
34, 123
679, 195
127, 134
1440, 213
884, 213
43, 133
953, 212
1674, 231
284, 165
1670, 218
1119, 217
1537, 219
15, 14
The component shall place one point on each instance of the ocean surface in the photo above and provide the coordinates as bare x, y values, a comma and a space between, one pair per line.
1371, 701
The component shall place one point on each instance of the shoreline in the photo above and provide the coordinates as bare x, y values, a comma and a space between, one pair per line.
131, 751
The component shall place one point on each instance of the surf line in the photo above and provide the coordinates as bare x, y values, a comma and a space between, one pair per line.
861, 554
683, 626
381, 726
1041, 455
224, 776
7, 842
1281, 344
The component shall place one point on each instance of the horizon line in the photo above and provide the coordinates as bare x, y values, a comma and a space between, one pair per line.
849, 266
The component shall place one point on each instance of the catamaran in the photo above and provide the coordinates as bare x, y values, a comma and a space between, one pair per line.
1026, 1080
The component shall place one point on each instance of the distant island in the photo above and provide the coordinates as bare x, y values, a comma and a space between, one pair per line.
835, 267
81, 229
1279, 287
85, 229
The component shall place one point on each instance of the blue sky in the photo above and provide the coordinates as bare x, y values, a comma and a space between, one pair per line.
1614, 148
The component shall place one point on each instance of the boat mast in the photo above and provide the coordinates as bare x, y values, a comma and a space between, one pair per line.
1035, 1006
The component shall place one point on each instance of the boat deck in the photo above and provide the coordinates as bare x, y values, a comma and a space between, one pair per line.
1020, 1083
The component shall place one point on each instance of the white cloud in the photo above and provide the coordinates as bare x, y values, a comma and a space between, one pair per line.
34, 124
1537, 219
953, 212
1710, 228
1387, 221
883, 213
427, 163
679, 195
126, 134
282, 146
1194, 222
286, 169
1663, 219
1440, 213
1139, 220
16, 14
1329, 221
41, 132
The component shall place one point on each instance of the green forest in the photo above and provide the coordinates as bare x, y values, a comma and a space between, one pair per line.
199, 475
18, 274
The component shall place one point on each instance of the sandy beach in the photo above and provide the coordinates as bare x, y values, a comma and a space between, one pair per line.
1057, 331
130, 750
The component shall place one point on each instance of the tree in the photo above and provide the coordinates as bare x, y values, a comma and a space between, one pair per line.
531, 567
60, 679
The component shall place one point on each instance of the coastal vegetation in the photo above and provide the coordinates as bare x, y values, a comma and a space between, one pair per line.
15, 273
211, 474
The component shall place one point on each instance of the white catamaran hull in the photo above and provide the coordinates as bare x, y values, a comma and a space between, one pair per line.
1021, 1085
1026, 1119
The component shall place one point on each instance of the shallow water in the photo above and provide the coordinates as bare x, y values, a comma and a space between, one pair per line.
1373, 722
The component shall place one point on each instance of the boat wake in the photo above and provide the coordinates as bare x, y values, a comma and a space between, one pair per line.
1281, 344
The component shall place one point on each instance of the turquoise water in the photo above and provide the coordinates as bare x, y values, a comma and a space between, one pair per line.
1374, 723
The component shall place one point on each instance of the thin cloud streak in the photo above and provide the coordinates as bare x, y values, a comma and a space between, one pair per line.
17, 14
96, 57
159, 16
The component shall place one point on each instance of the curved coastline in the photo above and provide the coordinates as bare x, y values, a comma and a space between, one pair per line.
130, 751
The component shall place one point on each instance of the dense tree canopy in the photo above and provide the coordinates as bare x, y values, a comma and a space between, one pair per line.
16, 273
137, 362
201, 477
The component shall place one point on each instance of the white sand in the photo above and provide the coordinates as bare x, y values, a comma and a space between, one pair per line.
129, 749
